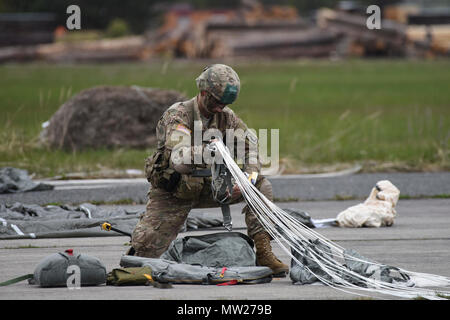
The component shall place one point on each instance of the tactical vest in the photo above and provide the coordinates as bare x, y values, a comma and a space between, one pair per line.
157, 167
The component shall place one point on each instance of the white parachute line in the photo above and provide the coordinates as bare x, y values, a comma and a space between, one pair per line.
345, 286
293, 236
259, 207
382, 287
294, 233
293, 223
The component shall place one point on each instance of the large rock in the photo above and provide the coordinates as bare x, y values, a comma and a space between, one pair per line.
109, 116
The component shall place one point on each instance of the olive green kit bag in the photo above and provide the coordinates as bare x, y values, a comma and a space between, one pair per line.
134, 276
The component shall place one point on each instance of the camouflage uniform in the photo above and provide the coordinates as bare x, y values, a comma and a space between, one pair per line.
175, 190
167, 211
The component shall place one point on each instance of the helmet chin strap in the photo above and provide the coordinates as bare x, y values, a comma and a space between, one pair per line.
205, 105
208, 110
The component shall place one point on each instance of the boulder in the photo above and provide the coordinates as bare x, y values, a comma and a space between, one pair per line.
109, 116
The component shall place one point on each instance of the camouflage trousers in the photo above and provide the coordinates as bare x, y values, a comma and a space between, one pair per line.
165, 215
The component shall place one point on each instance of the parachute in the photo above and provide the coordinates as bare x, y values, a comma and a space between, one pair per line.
328, 261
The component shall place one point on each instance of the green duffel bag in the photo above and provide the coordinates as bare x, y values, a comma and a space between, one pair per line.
134, 276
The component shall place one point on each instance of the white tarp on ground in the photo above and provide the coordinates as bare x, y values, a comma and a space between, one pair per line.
377, 211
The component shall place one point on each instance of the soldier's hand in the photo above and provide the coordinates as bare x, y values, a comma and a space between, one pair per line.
236, 192
212, 146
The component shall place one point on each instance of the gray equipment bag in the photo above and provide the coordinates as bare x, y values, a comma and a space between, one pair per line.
222, 249
216, 258
54, 271
167, 271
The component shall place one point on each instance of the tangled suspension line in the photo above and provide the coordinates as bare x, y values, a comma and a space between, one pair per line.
301, 242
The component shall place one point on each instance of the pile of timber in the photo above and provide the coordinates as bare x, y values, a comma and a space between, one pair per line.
427, 29
255, 31
276, 42
273, 32
358, 39
429, 41
105, 50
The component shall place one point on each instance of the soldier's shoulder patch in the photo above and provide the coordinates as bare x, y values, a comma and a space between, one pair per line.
183, 128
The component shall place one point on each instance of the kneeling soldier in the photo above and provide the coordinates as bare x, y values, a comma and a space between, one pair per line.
176, 190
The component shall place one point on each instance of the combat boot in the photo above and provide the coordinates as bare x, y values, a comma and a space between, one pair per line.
265, 256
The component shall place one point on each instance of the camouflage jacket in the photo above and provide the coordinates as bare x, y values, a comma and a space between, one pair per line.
181, 133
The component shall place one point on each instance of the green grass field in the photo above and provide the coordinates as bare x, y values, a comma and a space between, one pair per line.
379, 113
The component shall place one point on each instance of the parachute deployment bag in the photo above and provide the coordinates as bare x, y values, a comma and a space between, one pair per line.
217, 258
221, 249
53, 271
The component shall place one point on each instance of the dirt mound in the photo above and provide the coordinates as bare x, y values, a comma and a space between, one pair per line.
109, 116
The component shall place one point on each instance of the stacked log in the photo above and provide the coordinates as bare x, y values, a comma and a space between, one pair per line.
390, 40
288, 40
427, 30
430, 40
105, 50
254, 31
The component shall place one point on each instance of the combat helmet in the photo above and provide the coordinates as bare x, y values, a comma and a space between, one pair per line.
221, 81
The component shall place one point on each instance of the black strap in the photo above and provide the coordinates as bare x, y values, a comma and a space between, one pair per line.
222, 188
226, 213
201, 173
207, 279
120, 231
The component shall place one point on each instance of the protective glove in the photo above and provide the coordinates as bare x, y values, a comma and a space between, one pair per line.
252, 177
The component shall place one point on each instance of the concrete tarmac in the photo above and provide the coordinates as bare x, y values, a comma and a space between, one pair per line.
285, 188
418, 241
